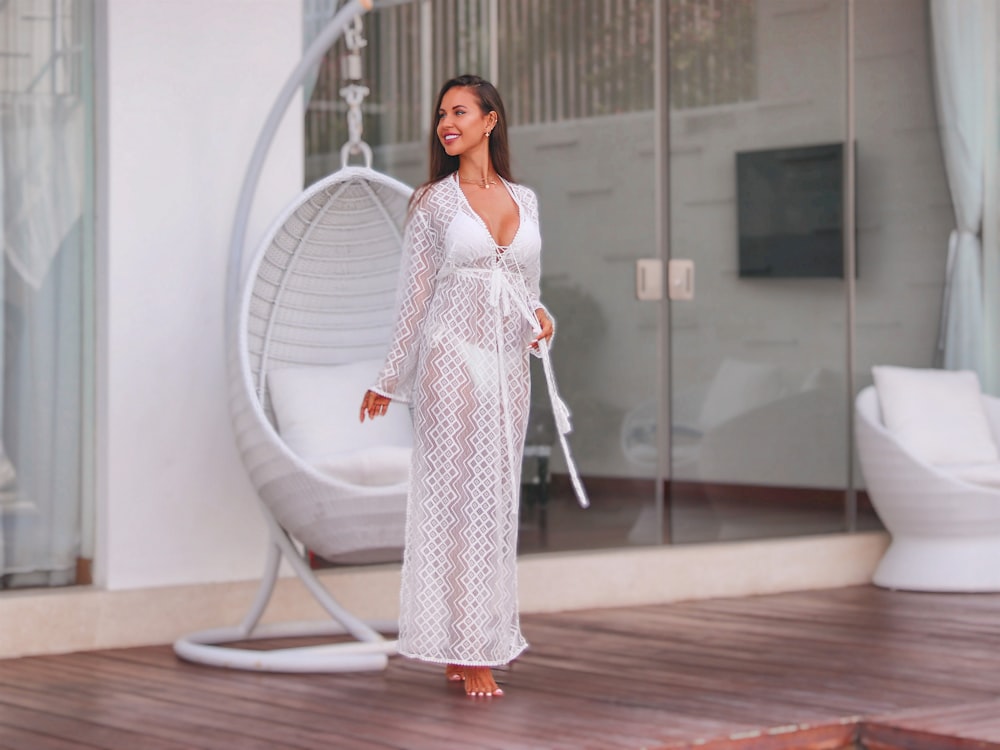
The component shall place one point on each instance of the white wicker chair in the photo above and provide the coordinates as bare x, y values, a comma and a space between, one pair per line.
945, 531
320, 291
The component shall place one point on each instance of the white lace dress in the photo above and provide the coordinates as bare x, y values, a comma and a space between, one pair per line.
459, 355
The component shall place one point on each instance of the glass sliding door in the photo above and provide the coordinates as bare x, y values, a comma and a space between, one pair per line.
581, 84
46, 282
717, 135
759, 386
579, 81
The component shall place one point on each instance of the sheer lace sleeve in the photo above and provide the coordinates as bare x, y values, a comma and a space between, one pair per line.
533, 267
421, 260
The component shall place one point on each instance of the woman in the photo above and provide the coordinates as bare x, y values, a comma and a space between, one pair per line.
469, 312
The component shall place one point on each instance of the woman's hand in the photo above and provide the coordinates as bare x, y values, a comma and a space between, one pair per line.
547, 327
374, 405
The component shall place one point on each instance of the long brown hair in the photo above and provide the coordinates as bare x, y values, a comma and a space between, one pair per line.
441, 164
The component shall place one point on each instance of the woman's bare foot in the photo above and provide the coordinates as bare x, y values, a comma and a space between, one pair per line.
479, 682
454, 673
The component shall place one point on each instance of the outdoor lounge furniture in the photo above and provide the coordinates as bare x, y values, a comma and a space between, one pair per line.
933, 475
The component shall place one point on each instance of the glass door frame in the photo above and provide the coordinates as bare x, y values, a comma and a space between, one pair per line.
664, 228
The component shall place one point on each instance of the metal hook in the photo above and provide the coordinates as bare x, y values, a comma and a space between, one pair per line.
355, 148
354, 94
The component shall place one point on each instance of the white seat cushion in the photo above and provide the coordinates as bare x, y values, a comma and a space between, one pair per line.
937, 414
380, 466
317, 408
987, 474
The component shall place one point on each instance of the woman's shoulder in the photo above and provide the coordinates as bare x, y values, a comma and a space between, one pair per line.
441, 186
523, 191
525, 195
429, 199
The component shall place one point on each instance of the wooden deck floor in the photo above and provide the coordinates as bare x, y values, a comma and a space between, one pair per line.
857, 667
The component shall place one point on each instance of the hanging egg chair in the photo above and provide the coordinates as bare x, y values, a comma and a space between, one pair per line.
314, 322
308, 323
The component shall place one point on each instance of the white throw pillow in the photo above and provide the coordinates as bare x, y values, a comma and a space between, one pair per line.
317, 407
737, 387
937, 414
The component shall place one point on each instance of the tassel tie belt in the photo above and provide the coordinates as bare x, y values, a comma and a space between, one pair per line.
506, 297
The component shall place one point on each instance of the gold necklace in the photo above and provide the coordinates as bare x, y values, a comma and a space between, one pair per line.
484, 183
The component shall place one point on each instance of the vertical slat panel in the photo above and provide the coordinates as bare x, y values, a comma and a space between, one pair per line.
580, 45
558, 60
461, 34
547, 50
402, 73
591, 81
440, 51
565, 70
536, 71
562, 28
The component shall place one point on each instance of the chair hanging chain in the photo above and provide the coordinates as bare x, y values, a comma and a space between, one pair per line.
354, 93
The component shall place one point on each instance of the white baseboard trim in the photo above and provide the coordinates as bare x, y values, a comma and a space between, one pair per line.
86, 618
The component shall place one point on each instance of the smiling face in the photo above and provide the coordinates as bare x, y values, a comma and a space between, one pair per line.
462, 124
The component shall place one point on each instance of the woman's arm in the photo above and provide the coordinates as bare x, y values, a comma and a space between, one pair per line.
418, 273
374, 405
547, 326
532, 280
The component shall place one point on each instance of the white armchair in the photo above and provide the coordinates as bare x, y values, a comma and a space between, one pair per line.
943, 515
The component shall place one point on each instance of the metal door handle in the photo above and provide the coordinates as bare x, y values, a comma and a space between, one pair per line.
649, 279
680, 277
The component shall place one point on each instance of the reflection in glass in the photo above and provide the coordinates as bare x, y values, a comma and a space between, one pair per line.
45, 162
577, 80
758, 385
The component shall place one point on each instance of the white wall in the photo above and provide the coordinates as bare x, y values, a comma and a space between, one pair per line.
189, 85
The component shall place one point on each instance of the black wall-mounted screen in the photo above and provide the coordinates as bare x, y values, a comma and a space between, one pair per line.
790, 205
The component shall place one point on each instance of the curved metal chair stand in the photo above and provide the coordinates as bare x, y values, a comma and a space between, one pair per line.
370, 651
293, 495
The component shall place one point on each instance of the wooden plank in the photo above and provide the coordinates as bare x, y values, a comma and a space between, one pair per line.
15, 738
882, 737
966, 723
190, 708
840, 735
81, 728
763, 672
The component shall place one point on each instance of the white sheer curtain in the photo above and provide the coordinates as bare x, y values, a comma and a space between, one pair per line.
43, 194
958, 53
991, 216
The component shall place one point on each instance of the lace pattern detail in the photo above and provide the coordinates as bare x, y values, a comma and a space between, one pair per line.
460, 355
